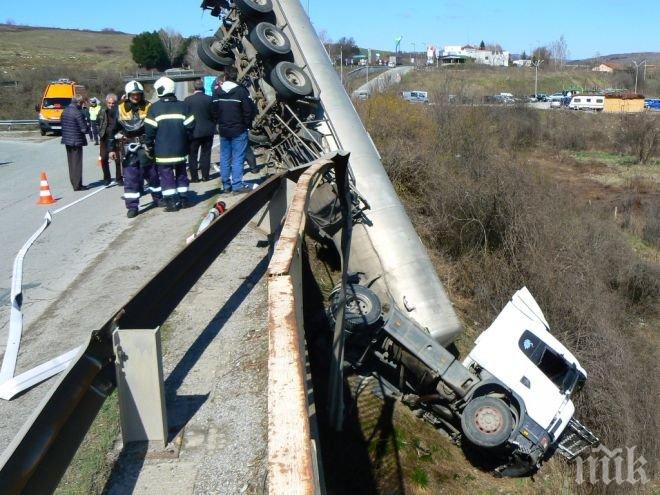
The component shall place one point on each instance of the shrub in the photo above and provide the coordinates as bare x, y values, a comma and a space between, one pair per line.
501, 226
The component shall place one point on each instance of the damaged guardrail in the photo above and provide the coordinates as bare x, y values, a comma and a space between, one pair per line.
292, 466
37, 458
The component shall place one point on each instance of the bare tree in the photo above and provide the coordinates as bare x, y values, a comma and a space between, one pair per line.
559, 52
325, 40
541, 53
173, 43
192, 60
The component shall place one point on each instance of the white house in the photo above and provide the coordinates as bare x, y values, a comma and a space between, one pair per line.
485, 57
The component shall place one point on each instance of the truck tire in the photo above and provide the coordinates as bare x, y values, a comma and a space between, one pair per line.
254, 8
486, 422
210, 58
290, 81
363, 308
270, 41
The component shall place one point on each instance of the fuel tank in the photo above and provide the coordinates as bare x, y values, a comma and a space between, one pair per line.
387, 250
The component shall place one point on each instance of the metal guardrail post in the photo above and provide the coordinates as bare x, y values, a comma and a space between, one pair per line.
139, 367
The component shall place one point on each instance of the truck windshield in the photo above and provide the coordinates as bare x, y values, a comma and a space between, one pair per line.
54, 103
553, 365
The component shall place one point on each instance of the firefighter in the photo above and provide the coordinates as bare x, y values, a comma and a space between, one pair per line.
138, 164
169, 125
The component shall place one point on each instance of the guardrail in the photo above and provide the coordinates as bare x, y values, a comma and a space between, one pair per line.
38, 456
12, 123
292, 459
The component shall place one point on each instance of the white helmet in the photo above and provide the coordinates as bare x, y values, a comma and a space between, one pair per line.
164, 86
133, 87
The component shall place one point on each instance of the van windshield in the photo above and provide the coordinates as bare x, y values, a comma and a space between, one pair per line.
56, 103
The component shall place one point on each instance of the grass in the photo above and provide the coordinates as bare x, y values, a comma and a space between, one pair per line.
91, 466
622, 170
28, 48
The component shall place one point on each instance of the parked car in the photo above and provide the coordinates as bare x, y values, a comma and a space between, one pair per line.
652, 103
559, 96
416, 96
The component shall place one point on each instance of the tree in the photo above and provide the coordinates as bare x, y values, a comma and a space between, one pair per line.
148, 51
524, 55
559, 52
541, 53
175, 45
482, 45
347, 45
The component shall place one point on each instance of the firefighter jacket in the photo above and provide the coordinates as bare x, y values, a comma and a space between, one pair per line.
131, 119
169, 126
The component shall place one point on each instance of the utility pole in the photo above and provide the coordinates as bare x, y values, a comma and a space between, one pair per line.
536, 77
637, 64
414, 45
341, 63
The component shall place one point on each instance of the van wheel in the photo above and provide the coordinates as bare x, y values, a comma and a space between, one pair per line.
43, 133
210, 58
270, 41
254, 8
487, 422
290, 81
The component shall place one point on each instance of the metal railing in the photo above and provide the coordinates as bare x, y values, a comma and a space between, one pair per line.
13, 123
292, 461
42, 450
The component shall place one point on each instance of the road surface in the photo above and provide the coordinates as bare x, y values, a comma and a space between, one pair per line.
92, 259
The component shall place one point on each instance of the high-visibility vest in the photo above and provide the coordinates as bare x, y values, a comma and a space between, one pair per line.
94, 112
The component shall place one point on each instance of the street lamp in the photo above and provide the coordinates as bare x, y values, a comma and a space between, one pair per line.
536, 77
637, 64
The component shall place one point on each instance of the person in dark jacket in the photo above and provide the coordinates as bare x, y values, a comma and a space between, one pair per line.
235, 112
108, 127
202, 107
169, 125
74, 129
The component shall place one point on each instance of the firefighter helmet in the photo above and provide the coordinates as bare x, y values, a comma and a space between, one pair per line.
133, 87
164, 86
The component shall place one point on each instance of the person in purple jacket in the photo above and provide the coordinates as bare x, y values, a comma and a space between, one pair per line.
74, 130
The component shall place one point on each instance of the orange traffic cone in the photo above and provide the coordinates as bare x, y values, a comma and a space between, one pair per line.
45, 196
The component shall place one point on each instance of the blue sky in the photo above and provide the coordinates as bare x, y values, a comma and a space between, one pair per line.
605, 26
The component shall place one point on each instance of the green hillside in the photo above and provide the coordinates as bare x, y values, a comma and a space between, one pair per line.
30, 48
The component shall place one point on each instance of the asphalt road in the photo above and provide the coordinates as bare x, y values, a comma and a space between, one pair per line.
84, 266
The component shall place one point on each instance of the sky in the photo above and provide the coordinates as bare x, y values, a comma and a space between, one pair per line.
589, 27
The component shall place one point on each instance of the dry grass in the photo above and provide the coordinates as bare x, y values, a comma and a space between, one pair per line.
27, 48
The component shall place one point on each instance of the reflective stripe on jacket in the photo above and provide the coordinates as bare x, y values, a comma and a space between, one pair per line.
169, 125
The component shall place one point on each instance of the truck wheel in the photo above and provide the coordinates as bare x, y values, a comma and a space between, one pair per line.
290, 81
270, 41
363, 308
43, 133
254, 8
486, 422
210, 58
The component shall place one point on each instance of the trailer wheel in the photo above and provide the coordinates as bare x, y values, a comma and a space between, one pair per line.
210, 58
290, 81
270, 41
363, 308
486, 422
254, 8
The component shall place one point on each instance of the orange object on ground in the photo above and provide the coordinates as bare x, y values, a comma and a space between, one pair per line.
45, 196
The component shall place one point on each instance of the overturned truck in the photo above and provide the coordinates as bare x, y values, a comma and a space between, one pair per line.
511, 397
